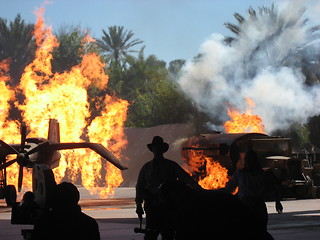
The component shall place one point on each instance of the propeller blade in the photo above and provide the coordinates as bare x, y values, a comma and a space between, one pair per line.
8, 148
20, 177
40, 147
23, 136
7, 164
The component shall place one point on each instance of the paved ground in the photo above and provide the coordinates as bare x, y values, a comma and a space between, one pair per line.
117, 219
300, 220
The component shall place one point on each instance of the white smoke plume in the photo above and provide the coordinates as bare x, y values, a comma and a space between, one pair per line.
265, 64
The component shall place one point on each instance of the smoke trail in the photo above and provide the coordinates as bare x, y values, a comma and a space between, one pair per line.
264, 63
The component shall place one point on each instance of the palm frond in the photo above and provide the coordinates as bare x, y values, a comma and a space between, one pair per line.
239, 18
233, 28
117, 41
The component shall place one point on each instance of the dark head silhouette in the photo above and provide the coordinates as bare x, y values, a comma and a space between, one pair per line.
158, 146
65, 220
28, 197
252, 163
66, 195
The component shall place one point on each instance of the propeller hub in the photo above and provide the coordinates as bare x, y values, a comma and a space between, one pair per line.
22, 159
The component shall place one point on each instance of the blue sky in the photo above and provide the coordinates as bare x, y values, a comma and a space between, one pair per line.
170, 29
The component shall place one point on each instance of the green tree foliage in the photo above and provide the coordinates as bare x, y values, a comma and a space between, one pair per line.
16, 44
155, 99
72, 47
300, 135
116, 44
145, 82
175, 67
314, 127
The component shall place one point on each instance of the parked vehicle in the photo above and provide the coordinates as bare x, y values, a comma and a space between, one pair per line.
299, 176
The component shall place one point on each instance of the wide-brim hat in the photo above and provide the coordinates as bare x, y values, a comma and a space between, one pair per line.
158, 141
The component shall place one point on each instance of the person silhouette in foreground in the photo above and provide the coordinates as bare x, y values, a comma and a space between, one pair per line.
29, 209
211, 214
65, 220
152, 175
254, 185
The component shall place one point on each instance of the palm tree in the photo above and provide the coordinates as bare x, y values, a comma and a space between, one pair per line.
16, 44
236, 29
300, 58
117, 43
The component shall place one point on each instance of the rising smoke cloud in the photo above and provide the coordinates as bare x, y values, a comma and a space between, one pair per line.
264, 63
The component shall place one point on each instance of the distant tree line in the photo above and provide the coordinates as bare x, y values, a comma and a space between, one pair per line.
147, 82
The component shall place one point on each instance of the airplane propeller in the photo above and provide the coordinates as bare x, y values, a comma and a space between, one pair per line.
22, 155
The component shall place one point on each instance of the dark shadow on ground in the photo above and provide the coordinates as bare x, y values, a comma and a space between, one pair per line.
120, 220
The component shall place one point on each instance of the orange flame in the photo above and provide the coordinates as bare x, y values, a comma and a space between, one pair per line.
64, 96
215, 176
9, 128
244, 122
6, 93
88, 39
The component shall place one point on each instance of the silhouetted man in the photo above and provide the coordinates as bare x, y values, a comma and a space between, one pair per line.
65, 220
152, 175
254, 184
28, 208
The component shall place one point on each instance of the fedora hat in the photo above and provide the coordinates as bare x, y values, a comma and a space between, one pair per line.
158, 141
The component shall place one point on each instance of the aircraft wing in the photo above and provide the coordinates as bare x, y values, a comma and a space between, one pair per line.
97, 147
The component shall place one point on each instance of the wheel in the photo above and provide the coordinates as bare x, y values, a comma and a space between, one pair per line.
10, 194
43, 184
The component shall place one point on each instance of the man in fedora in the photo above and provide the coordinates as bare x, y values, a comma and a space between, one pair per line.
148, 190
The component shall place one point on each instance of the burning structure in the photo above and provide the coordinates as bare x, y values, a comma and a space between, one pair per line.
212, 158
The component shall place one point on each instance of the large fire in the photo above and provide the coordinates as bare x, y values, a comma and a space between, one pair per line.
64, 96
244, 122
215, 176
